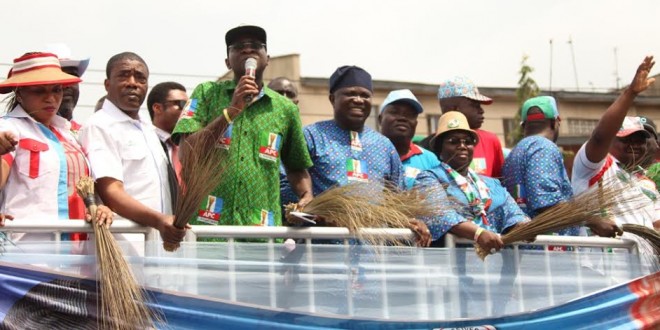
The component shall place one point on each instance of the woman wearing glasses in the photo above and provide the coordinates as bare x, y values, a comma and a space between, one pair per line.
484, 208
41, 161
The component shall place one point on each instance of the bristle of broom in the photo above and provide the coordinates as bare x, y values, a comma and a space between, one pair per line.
122, 304
648, 234
371, 205
598, 202
202, 167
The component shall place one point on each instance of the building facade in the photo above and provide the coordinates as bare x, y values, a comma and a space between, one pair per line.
579, 111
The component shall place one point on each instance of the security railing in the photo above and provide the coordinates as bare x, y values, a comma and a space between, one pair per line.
429, 289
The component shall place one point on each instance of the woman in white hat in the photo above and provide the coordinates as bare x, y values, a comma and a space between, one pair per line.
41, 161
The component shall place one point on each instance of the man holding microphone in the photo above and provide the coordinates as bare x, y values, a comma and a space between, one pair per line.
257, 127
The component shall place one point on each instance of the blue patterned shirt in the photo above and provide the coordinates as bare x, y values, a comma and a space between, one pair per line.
535, 175
502, 213
417, 160
342, 156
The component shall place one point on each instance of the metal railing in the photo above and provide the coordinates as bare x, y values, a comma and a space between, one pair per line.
308, 233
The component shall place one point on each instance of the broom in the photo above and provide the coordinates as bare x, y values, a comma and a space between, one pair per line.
598, 202
371, 205
648, 234
202, 167
122, 300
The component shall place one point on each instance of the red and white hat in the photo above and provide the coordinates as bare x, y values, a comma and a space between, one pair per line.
36, 69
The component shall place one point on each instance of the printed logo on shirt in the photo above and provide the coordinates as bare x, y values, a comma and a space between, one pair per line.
211, 210
269, 146
356, 145
411, 172
647, 187
189, 109
356, 170
478, 165
519, 195
262, 217
225, 141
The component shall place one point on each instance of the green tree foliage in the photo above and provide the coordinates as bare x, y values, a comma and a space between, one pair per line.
527, 88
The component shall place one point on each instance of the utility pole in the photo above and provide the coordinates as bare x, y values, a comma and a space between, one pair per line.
551, 51
616, 68
570, 42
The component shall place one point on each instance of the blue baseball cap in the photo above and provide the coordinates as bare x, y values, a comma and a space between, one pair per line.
402, 95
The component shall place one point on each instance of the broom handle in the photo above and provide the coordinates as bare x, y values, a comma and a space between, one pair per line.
91, 206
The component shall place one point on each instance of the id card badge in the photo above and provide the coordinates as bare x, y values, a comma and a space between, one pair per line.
210, 210
356, 145
356, 170
225, 141
411, 172
478, 165
269, 146
189, 109
519, 195
262, 217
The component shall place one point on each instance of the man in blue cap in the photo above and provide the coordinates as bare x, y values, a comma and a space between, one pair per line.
398, 121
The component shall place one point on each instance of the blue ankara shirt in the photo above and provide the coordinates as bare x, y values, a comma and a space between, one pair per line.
330, 149
535, 175
502, 213
416, 161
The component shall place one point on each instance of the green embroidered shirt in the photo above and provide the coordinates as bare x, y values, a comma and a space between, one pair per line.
266, 132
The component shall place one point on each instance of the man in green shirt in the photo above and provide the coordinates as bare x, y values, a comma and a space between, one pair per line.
257, 128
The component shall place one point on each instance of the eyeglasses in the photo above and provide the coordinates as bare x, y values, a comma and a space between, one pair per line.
469, 142
180, 103
256, 45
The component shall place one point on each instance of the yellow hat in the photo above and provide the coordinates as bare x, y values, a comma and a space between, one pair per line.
451, 121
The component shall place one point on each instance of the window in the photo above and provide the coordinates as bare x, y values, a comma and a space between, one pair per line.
510, 125
432, 122
581, 127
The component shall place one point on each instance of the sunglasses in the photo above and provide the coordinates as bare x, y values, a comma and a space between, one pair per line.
469, 142
180, 103
256, 45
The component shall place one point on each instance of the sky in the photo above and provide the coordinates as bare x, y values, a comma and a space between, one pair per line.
423, 41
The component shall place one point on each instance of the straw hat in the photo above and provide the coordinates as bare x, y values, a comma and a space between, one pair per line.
452, 121
36, 69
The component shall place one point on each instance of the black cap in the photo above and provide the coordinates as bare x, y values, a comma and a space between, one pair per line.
349, 76
245, 30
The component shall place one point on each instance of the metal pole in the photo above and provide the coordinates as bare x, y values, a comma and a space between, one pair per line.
570, 42
551, 53
616, 67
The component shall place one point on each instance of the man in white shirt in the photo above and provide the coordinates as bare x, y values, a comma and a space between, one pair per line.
613, 151
127, 159
165, 104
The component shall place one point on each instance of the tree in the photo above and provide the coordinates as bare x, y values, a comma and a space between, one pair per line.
527, 88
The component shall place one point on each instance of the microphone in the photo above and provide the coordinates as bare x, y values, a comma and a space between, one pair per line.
250, 70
